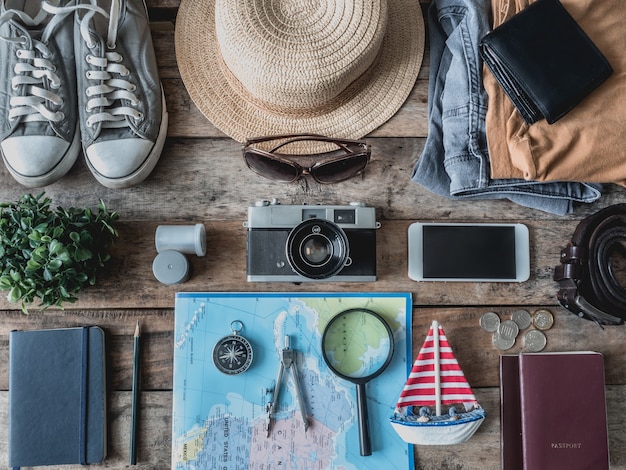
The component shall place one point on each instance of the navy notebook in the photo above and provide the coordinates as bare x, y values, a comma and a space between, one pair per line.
57, 397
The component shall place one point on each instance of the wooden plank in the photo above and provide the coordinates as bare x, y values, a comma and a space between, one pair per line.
128, 282
153, 438
202, 179
473, 346
157, 331
154, 441
479, 359
483, 450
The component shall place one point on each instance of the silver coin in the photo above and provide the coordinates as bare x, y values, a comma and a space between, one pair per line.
522, 318
508, 329
502, 343
489, 321
535, 340
543, 319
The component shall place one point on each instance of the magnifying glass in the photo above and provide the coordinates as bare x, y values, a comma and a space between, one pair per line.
357, 346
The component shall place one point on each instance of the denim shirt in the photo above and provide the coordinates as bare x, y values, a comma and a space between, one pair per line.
455, 160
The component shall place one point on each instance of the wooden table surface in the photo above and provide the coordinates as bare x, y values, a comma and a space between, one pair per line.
201, 178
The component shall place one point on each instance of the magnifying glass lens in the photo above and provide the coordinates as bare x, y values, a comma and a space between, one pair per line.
357, 344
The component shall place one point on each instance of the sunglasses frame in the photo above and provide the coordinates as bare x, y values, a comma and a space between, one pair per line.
364, 149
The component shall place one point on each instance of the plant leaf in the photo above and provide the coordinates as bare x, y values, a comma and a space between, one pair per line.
14, 294
82, 254
51, 254
32, 265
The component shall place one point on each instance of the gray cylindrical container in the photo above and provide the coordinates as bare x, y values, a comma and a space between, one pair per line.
171, 267
190, 239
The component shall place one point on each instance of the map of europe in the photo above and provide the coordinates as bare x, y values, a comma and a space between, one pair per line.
220, 420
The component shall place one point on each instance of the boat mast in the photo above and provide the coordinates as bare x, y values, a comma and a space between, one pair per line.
437, 368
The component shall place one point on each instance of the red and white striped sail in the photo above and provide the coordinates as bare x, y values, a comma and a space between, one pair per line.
436, 377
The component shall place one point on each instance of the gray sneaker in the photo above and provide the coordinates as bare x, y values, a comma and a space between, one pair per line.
39, 134
121, 106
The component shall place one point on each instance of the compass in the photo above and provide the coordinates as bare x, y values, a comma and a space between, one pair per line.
232, 354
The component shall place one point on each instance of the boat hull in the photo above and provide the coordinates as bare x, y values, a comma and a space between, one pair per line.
438, 431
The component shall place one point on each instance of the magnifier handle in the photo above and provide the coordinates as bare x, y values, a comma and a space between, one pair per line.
364, 432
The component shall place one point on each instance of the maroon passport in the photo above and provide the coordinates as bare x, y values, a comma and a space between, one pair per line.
562, 410
510, 414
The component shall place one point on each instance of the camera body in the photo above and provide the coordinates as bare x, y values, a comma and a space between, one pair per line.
298, 243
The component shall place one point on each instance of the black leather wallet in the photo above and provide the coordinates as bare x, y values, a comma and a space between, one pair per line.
544, 61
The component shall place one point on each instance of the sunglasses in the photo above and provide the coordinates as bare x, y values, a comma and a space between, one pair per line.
338, 159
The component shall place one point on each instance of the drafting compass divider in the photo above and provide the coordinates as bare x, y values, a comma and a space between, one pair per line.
287, 361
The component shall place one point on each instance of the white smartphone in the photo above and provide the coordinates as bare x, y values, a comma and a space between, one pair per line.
469, 252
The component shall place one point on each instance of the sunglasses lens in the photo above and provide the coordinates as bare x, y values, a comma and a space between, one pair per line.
339, 170
270, 167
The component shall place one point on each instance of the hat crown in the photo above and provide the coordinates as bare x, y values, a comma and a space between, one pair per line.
299, 54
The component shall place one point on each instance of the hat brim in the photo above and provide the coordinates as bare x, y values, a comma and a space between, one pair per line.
369, 102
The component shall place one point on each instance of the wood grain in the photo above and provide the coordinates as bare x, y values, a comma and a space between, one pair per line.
201, 178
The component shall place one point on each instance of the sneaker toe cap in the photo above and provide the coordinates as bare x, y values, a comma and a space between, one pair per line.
34, 155
118, 158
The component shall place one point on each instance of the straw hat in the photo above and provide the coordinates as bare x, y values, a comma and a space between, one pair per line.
340, 68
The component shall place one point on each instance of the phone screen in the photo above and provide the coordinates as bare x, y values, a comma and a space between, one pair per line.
469, 252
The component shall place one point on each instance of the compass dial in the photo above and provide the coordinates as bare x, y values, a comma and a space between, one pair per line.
232, 354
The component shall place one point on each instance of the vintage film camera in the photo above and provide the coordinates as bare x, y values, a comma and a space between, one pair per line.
297, 243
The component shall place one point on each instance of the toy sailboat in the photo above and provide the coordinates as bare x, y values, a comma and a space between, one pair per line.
435, 379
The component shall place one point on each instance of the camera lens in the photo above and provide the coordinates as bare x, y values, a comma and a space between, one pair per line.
317, 249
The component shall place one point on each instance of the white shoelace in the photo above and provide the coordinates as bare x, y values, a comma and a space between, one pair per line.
108, 74
35, 72
110, 86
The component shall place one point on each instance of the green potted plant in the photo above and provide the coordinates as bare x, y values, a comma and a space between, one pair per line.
51, 254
